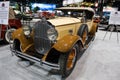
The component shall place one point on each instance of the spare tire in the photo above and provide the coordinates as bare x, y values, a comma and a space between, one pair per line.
83, 33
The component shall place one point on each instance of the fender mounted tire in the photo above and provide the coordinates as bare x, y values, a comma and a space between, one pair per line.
67, 61
83, 33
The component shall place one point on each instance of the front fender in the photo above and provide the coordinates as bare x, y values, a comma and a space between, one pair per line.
66, 43
24, 41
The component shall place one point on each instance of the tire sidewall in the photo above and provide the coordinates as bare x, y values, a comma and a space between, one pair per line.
63, 69
82, 29
8, 33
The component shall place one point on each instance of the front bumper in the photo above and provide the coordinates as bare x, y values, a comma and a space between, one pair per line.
36, 60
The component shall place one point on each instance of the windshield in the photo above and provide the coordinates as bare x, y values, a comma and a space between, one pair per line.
74, 13
67, 13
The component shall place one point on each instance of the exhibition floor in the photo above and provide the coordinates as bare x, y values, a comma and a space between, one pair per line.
99, 62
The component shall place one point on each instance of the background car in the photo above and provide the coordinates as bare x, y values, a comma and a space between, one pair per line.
57, 42
47, 15
6, 30
104, 20
96, 18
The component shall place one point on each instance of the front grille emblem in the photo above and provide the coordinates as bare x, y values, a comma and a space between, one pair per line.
42, 50
42, 43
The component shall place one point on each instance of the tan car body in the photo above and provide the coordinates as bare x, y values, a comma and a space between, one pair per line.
66, 42
64, 37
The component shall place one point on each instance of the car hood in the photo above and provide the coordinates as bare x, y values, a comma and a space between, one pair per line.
64, 21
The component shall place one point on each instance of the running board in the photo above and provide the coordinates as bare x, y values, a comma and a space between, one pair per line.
90, 39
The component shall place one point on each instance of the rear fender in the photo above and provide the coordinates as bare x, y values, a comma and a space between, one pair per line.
66, 43
15, 22
3, 29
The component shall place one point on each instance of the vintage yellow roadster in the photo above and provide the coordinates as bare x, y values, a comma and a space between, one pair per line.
57, 42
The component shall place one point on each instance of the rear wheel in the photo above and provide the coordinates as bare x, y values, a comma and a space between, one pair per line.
67, 61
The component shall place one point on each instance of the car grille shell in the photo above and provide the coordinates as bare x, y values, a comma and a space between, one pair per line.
42, 43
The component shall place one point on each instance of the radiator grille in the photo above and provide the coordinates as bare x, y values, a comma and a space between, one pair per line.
42, 43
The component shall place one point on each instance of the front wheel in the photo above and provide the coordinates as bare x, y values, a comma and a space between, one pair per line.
8, 35
67, 61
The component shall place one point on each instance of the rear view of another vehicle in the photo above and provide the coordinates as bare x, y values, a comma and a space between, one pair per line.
104, 20
96, 18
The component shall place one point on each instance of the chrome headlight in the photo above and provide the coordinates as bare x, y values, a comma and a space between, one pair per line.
26, 30
52, 34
